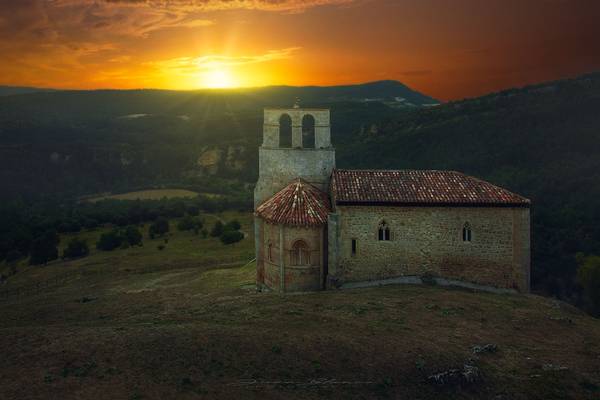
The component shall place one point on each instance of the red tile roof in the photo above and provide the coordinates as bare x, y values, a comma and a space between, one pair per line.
298, 204
415, 187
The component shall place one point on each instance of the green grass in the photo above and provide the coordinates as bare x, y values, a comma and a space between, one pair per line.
153, 324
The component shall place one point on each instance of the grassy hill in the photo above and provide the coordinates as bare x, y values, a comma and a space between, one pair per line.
184, 322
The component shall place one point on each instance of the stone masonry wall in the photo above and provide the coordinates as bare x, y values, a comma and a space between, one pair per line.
429, 240
297, 278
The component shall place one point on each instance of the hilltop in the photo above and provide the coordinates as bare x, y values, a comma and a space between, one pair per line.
185, 322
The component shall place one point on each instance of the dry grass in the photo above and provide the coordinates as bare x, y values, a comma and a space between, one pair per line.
152, 194
198, 331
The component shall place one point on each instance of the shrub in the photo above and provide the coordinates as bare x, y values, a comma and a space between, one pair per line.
189, 223
217, 229
233, 225
230, 237
76, 248
159, 227
588, 276
133, 236
109, 241
43, 248
13, 255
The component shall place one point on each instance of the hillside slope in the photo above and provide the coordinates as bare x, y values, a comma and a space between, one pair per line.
200, 332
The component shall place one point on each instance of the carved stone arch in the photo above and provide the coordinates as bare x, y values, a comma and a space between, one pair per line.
285, 130
383, 231
308, 131
300, 253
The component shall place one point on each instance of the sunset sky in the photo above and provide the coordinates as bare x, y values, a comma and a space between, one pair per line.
448, 49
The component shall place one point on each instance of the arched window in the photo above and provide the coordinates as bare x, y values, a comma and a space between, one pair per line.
285, 131
308, 132
383, 232
466, 232
300, 254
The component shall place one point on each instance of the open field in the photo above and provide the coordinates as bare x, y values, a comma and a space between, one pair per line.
185, 323
151, 194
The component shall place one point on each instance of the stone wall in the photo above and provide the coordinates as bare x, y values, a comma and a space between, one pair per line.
279, 167
429, 240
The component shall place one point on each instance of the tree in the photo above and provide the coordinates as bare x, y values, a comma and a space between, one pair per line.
159, 227
588, 276
230, 237
109, 241
43, 248
189, 223
76, 248
217, 229
233, 225
13, 255
133, 236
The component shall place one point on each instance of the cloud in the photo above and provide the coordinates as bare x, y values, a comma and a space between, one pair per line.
218, 5
191, 65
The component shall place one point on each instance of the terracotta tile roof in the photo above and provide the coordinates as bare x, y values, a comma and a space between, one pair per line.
298, 204
418, 187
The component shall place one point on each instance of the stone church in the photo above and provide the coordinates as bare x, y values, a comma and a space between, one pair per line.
318, 227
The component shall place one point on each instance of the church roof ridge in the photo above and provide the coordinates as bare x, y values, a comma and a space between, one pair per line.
297, 204
419, 187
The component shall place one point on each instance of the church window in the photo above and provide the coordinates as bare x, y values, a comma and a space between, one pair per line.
466, 232
383, 233
285, 131
270, 252
300, 254
308, 132
354, 247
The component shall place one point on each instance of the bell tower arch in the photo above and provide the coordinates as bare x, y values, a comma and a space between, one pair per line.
310, 157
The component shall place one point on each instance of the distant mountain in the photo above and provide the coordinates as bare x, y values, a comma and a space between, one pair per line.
392, 93
12, 90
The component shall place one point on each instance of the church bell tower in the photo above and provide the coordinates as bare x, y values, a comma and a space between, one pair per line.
296, 144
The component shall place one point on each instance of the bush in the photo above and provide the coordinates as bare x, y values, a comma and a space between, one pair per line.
588, 276
13, 255
159, 227
43, 248
189, 223
76, 248
217, 229
109, 241
233, 225
133, 236
230, 237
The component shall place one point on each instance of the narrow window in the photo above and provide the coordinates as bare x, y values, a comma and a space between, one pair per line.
466, 232
383, 232
308, 132
285, 131
353, 247
270, 252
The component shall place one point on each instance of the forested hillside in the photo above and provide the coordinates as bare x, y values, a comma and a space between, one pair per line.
78, 142
541, 141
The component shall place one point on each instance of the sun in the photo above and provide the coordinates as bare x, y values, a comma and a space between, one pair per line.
217, 78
